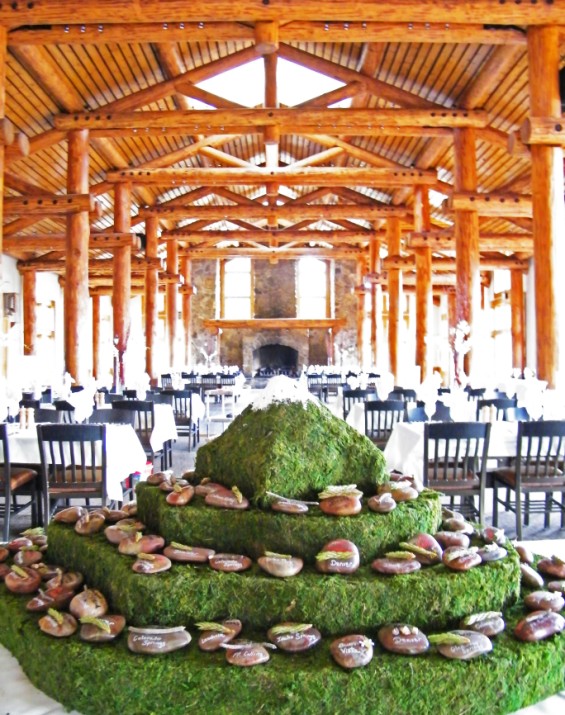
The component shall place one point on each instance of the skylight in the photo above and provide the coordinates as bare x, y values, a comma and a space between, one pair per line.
246, 84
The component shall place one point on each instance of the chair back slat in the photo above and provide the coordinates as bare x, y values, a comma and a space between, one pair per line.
380, 418
540, 451
351, 396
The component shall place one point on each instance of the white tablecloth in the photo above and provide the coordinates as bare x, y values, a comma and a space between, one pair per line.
124, 455
405, 448
164, 427
19, 697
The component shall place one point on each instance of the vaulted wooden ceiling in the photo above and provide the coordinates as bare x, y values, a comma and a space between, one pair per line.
266, 180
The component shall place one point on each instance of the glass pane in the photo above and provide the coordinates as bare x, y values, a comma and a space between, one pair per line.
237, 285
238, 308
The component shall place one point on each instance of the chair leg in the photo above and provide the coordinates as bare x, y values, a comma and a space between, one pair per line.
494, 505
563, 509
519, 516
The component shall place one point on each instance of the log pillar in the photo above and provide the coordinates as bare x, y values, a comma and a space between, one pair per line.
96, 371
547, 205
76, 300
30, 314
171, 307
517, 309
121, 294
3, 322
151, 299
423, 281
187, 292
467, 258
360, 293
394, 294
374, 270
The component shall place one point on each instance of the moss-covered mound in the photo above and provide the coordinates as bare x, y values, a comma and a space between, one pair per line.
109, 679
255, 531
433, 597
291, 449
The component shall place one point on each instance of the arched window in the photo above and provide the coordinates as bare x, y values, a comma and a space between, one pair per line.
236, 279
312, 288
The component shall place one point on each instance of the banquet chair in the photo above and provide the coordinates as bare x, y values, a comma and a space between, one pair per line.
380, 418
517, 414
113, 416
29, 403
44, 414
442, 413
16, 482
351, 396
476, 393
185, 423
333, 384
537, 467
316, 385
73, 464
66, 411
166, 380
500, 404
404, 394
455, 462
165, 397
416, 414
144, 421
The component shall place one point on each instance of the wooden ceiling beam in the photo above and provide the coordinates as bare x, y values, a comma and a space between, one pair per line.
319, 176
349, 90
44, 12
492, 204
445, 241
290, 212
441, 264
297, 31
548, 131
261, 235
268, 253
48, 204
57, 242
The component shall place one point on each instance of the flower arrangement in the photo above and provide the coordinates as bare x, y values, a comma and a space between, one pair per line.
460, 344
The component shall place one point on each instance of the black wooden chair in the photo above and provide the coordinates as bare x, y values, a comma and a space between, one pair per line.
415, 414
500, 404
186, 424
164, 397
144, 422
73, 464
113, 416
402, 393
166, 380
353, 395
455, 462
332, 386
476, 393
442, 413
316, 385
66, 411
380, 418
16, 482
537, 467
44, 414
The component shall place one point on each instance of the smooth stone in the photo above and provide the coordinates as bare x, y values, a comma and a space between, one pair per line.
538, 625
70, 515
458, 559
4, 553
49, 625
157, 478
230, 562
492, 552
382, 503
156, 564
403, 638
280, 566
462, 527
544, 601
89, 602
148, 544
341, 505
157, 641
394, 566
412, 481
493, 535
203, 489
22, 584
399, 491
530, 577
347, 565
130, 508
116, 532
113, 516
556, 586
354, 651
57, 597
525, 554
447, 513
489, 624
452, 538
294, 641
71, 579
209, 640
46, 571
478, 645
225, 499
180, 497
90, 524
289, 507
245, 653
429, 543
189, 554
92, 633
552, 567
27, 557
19, 543
4, 571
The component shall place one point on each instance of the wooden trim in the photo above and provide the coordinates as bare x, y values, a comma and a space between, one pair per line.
445, 241
276, 324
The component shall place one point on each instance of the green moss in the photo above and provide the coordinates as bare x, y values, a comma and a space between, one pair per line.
109, 679
335, 604
291, 450
255, 531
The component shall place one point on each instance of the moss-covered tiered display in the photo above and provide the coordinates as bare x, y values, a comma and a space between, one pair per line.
110, 679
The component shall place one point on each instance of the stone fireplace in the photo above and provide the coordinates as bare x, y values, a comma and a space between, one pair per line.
274, 359
275, 347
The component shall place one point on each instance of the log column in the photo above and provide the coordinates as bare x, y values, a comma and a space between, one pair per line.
30, 315
96, 335
374, 271
467, 258
547, 200
151, 296
423, 281
121, 295
171, 308
3, 322
518, 319
394, 294
187, 292
76, 302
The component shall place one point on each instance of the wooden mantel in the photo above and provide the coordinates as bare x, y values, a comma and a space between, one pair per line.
276, 324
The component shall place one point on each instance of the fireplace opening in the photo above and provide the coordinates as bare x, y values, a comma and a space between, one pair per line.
270, 360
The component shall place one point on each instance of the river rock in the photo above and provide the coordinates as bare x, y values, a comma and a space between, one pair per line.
425, 548
27, 556
157, 478
230, 562
19, 543
525, 554
151, 563
57, 597
530, 577
207, 487
341, 505
556, 586
544, 601
403, 638
294, 637
476, 644
180, 496
58, 624
214, 635
493, 535
538, 625
226, 499
148, 544
90, 603
245, 654
338, 556
70, 579
90, 524
287, 506
463, 527
458, 559
452, 538
553, 566
188, 554
352, 651
4, 553
492, 552
382, 503
22, 579
395, 564
70, 515
489, 623
280, 565
157, 641
102, 629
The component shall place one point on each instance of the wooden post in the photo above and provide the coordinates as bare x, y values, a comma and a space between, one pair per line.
423, 281
186, 271
329, 312
77, 308
122, 279
96, 335
548, 210
374, 268
151, 293
30, 316
360, 292
518, 319
467, 259
394, 294
451, 323
171, 308
3, 323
